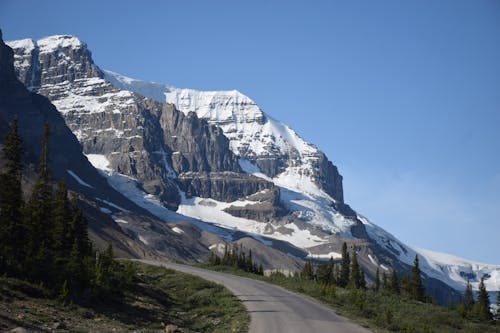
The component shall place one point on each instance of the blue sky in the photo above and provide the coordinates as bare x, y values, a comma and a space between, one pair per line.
403, 96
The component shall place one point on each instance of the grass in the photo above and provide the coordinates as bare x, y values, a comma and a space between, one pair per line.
158, 297
380, 311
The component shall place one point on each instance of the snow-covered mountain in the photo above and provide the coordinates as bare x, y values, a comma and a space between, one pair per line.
216, 157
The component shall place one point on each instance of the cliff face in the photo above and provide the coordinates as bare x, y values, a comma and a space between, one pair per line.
139, 137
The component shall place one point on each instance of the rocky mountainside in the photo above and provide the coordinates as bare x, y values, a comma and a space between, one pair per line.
105, 207
216, 157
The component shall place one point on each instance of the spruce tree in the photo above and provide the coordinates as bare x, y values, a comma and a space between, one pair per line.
323, 273
12, 228
344, 268
385, 284
307, 272
355, 276
469, 297
62, 221
377, 280
417, 287
39, 207
482, 306
394, 285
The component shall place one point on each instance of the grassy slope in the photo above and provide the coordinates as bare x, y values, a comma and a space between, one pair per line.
380, 311
159, 297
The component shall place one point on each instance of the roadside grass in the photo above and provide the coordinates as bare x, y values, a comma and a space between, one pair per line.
379, 311
157, 297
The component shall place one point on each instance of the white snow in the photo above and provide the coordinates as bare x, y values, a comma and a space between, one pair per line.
52, 43
112, 204
450, 269
177, 230
334, 255
373, 261
78, 179
99, 162
212, 211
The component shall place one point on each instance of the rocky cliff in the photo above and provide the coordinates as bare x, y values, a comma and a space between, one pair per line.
149, 141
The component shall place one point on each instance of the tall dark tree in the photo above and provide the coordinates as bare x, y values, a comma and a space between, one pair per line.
355, 276
377, 280
12, 229
385, 284
417, 287
308, 271
39, 207
344, 268
482, 306
62, 241
394, 284
469, 297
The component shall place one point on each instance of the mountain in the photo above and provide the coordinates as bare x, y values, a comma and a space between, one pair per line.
216, 160
104, 206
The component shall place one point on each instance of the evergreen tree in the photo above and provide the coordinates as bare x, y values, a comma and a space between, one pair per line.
324, 273
417, 287
39, 207
469, 297
482, 306
355, 276
344, 268
12, 228
362, 280
307, 272
385, 284
79, 233
377, 280
394, 285
62, 221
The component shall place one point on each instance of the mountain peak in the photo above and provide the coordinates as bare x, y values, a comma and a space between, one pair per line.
55, 42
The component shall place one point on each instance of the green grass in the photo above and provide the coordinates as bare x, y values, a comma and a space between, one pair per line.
380, 311
157, 297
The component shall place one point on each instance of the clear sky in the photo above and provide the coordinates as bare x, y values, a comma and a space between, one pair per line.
403, 96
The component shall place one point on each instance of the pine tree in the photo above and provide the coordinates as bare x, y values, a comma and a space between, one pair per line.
307, 272
394, 285
377, 280
362, 280
482, 306
344, 268
469, 297
12, 228
324, 273
385, 284
39, 207
355, 276
62, 221
417, 287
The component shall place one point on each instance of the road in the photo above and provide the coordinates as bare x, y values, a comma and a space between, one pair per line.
272, 308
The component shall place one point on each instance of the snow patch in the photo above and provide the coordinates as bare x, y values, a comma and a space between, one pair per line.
78, 179
177, 230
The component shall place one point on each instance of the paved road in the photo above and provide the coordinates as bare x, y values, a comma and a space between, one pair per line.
272, 308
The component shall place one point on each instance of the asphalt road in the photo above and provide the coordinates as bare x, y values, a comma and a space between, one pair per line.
272, 308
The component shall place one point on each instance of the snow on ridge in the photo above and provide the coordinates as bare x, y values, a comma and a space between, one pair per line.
27, 44
52, 43
452, 270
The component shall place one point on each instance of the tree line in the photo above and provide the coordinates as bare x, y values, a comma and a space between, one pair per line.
44, 239
237, 258
348, 274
